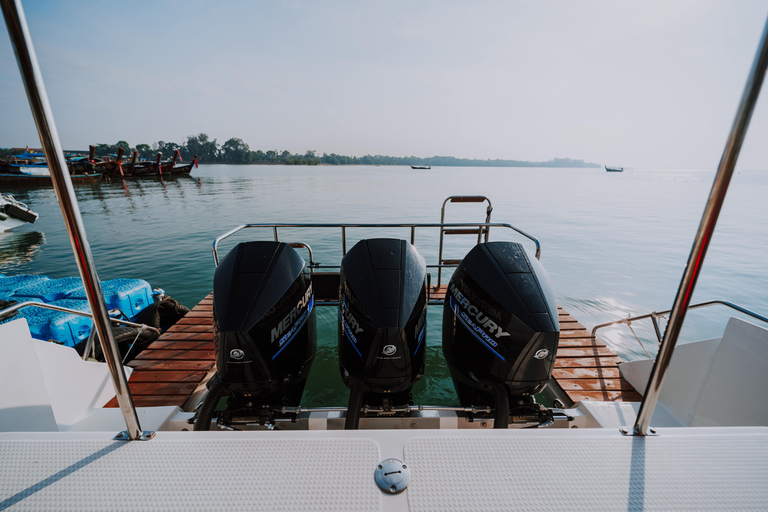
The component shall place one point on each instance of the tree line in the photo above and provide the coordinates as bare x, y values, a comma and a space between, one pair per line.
235, 151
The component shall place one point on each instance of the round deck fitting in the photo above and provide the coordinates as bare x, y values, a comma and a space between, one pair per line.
392, 476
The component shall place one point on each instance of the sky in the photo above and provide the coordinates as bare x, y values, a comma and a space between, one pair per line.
645, 84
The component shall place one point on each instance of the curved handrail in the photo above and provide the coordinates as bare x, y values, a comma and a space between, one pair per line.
15, 307
655, 314
343, 227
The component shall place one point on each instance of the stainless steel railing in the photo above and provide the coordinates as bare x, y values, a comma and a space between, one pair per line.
344, 227
655, 315
704, 234
32, 77
89, 344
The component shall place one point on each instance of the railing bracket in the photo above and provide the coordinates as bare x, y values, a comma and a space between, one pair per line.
143, 436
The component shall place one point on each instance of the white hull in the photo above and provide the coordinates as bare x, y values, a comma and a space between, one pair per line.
11, 223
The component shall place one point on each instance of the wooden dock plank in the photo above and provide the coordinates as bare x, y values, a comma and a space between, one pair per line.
606, 396
181, 345
573, 333
195, 320
154, 401
199, 313
155, 364
187, 336
162, 388
580, 342
438, 293
584, 352
176, 355
190, 328
166, 376
594, 384
587, 362
586, 373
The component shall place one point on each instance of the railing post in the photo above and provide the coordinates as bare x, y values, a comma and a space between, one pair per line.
62, 183
704, 234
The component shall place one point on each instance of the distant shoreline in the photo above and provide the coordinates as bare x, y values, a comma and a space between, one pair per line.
236, 152
543, 165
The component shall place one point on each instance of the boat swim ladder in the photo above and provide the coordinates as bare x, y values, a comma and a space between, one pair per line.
479, 231
704, 235
32, 77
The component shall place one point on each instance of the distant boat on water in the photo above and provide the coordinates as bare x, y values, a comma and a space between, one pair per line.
420, 166
14, 213
614, 169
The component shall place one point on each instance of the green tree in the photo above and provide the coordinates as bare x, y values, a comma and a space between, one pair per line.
205, 149
235, 151
145, 150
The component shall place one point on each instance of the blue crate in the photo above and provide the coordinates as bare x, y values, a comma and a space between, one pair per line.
9, 285
51, 290
128, 295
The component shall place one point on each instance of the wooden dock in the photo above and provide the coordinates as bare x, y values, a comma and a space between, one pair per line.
174, 369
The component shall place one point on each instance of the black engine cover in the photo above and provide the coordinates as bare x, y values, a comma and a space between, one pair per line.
264, 319
500, 323
382, 315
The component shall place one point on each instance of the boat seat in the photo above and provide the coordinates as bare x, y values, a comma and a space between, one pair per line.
48, 386
24, 400
740, 368
707, 380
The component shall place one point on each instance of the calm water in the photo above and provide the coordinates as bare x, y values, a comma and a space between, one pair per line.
613, 243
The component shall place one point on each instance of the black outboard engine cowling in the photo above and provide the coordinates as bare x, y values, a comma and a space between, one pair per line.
500, 328
264, 324
382, 316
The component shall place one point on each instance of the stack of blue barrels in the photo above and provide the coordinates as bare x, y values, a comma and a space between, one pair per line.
130, 296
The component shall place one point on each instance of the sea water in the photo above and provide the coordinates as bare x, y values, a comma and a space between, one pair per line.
614, 244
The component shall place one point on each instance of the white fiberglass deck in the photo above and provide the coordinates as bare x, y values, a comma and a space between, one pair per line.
575, 469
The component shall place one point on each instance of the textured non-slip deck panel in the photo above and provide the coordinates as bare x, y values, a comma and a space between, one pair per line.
588, 473
245, 474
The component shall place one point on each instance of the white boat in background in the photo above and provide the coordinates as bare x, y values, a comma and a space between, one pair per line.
61, 451
14, 213
614, 169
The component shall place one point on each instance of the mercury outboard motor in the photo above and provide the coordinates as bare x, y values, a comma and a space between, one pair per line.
264, 333
383, 314
500, 331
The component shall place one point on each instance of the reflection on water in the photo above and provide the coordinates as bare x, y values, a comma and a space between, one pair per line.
17, 248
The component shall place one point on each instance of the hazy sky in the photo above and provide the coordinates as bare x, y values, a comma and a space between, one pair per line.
641, 84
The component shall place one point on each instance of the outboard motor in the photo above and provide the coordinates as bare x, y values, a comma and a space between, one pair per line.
383, 314
500, 331
264, 333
